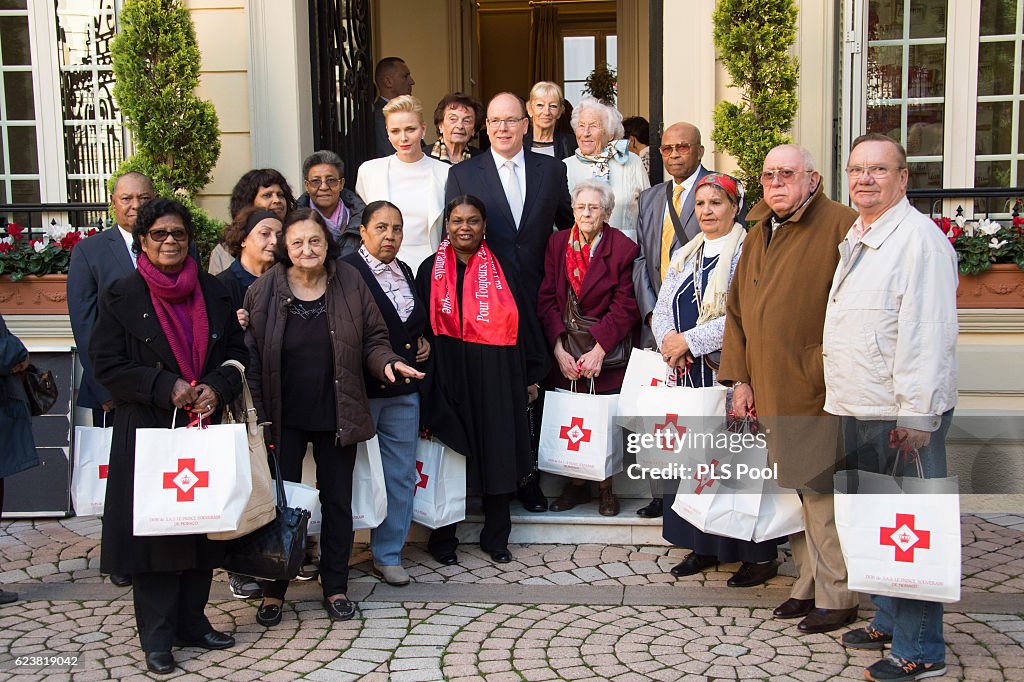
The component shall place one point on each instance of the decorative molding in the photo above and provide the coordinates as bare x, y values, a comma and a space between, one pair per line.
991, 321
40, 327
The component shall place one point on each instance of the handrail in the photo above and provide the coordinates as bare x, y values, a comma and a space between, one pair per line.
980, 192
55, 208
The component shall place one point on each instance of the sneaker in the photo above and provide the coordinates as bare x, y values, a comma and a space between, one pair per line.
894, 669
244, 587
392, 575
866, 638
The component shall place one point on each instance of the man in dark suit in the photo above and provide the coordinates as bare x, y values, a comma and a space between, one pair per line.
96, 263
527, 198
392, 78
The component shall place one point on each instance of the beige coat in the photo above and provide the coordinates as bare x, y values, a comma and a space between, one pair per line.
773, 333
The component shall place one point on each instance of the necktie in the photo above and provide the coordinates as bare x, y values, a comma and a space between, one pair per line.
668, 230
512, 191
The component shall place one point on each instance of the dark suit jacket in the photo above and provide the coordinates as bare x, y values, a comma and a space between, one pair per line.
565, 144
606, 294
381, 144
404, 335
96, 263
545, 207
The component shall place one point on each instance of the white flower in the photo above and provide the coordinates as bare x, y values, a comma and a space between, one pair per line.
7, 240
57, 232
988, 227
960, 221
996, 244
39, 246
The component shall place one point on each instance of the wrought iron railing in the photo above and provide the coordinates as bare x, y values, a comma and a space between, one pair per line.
34, 216
972, 202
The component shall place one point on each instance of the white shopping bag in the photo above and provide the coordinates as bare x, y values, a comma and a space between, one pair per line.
190, 480
677, 425
645, 368
439, 498
707, 502
301, 496
904, 543
369, 496
89, 478
781, 513
577, 436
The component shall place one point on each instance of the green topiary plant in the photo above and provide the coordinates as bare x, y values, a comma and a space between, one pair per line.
753, 38
602, 84
156, 65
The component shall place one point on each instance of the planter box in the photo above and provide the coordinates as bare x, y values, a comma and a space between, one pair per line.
34, 295
1001, 286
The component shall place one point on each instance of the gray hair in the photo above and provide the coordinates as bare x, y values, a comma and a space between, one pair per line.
612, 116
324, 156
602, 188
806, 156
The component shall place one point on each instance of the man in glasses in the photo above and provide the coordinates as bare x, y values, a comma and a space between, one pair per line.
96, 263
772, 357
323, 176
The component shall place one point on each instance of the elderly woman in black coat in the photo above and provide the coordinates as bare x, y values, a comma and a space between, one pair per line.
162, 335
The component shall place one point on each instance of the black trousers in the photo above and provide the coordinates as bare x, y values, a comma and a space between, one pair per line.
170, 606
493, 536
334, 465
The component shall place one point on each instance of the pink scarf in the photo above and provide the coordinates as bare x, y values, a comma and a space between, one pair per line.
181, 311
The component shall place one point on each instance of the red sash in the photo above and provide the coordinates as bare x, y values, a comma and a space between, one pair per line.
490, 315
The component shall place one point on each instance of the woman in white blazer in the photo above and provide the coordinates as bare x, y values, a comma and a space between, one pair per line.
409, 179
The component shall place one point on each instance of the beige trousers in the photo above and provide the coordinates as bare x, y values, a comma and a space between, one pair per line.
819, 558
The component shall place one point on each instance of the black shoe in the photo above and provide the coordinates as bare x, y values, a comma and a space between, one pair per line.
826, 620
244, 587
531, 497
340, 609
268, 615
750, 575
501, 556
892, 669
868, 637
121, 580
693, 564
652, 510
211, 640
445, 558
793, 608
160, 662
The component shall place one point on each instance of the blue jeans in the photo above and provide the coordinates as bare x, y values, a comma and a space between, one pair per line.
915, 626
398, 423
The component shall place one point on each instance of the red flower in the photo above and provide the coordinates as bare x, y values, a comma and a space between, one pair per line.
92, 232
943, 223
69, 240
955, 232
1018, 222
5, 247
15, 230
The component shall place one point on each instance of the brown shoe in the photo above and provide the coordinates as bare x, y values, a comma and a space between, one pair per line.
609, 504
827, 620
793, 608
571, 496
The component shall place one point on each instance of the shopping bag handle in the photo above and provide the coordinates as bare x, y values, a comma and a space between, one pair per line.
282, 497
906, 453
197, 418
572, 386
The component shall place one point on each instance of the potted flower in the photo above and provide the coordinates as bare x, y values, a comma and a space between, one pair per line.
33, 272
990, 255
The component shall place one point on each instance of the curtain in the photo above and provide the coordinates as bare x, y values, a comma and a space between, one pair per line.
544, 43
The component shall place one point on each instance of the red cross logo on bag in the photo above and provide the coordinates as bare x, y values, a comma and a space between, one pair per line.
657, 382
103, 470
673, 421
701, 483
422, 483
575, 434
186, 479
905, 538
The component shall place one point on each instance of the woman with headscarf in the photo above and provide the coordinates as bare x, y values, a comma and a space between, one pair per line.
487, 359
603, 155
161, 338
689, 324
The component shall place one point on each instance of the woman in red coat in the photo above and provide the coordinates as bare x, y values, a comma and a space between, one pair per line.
594, 265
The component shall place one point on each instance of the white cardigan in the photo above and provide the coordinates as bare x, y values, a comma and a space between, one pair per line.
420, 241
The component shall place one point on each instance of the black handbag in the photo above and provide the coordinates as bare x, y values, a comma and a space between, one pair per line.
275, 551
578, 339
40, 388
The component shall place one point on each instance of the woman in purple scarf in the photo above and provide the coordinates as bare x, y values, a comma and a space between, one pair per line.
159, 343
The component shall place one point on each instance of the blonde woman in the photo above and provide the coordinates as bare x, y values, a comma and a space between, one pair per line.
545, 107
408, 179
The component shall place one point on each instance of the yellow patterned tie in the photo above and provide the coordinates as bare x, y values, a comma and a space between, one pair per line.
668, 230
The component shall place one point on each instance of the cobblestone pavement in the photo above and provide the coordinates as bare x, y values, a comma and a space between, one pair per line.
601, 612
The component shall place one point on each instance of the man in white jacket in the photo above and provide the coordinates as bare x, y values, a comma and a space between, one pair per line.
890, 368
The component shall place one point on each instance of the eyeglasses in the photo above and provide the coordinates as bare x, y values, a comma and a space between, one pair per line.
584, 208
162, 235
784, 174
878, 172
682, 148
331, 182
504, 122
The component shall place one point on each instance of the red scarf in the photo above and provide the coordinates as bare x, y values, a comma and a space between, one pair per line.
181, 311
490, 315
577, 260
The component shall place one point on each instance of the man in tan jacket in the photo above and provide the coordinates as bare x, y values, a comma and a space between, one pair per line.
771, 355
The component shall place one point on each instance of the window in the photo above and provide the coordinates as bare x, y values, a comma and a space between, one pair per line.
999, 149
19, 124
582, 50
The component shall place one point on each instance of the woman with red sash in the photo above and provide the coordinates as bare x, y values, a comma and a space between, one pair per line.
487, 361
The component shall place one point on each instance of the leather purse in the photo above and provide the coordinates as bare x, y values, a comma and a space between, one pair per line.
578, 339
275, 551
40, 388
